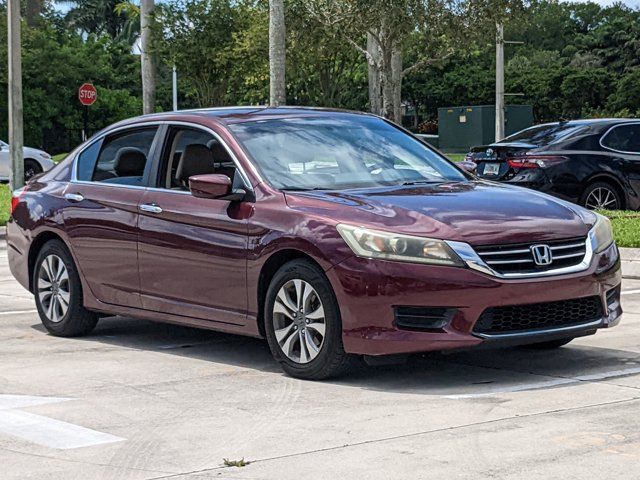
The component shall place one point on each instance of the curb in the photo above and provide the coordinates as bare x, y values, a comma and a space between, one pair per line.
3, 234
630, 258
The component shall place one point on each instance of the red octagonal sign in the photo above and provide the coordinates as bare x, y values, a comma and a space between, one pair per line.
87, 94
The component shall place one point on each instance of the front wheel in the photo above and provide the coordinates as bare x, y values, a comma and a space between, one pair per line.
31, 169
303, 324
58, 293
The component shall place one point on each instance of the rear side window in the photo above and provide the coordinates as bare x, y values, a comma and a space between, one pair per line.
543, 134
120, 159
624, 138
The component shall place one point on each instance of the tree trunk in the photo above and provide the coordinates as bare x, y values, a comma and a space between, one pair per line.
375, 98
147, 59
277, 53
396, 79
387, 82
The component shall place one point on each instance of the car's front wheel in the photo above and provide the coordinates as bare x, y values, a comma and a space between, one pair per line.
31, 169
303, 324
58, 293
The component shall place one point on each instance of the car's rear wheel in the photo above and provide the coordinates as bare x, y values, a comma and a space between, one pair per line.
303, 324
31, 169
601, 196
550, 345
58, 292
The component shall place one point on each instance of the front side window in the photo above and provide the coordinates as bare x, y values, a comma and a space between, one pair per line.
349, 151
120, 158
624, 138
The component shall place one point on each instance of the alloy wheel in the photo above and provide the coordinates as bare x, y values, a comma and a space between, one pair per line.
299, 321
601, 198
29, 172
53, 288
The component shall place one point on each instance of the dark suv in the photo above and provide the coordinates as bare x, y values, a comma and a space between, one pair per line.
594, 163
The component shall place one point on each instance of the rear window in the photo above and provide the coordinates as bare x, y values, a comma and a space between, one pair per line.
624, 138
543, 134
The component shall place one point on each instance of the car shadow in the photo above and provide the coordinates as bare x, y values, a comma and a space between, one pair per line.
470, 372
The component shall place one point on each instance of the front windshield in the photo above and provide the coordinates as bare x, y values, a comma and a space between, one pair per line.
342, 151
543, 134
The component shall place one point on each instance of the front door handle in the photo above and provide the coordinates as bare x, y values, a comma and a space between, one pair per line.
150, 208
73, 197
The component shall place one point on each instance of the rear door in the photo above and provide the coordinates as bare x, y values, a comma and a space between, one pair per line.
193, 251
101, 216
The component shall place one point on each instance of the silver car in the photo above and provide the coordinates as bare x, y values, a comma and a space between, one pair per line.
35, 161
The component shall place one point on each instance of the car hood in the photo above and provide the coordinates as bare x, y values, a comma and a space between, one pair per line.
476, 212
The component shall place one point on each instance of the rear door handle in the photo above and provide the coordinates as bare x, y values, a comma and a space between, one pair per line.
73, 197
150, 208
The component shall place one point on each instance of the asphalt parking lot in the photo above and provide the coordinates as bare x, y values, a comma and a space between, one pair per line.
138, 400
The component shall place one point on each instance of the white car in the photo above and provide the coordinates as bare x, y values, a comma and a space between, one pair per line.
35, 161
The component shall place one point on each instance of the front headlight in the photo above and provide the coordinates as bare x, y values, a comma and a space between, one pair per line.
402, 248
601, 234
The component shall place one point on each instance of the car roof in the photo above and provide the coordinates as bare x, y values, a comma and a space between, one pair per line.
592, 122
239, 114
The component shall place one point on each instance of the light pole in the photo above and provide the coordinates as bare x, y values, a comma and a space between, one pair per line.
175, 88
499, 82
16, 139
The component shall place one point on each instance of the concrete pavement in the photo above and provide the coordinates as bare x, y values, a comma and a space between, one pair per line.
151, 401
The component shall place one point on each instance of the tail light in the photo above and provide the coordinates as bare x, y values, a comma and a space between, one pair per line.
535, 161
16, 197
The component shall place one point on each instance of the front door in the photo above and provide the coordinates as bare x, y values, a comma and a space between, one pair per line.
193, 251
101, 215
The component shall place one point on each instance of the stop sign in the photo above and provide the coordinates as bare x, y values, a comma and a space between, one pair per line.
87, 94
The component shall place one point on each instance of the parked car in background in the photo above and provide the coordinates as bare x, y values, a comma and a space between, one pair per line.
332, 234
594, 163
35, 161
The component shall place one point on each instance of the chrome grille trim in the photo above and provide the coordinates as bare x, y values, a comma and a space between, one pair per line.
473, 260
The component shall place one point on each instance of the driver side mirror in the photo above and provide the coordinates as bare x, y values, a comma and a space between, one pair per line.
214, 186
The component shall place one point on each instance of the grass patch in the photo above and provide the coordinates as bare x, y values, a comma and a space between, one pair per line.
626, 227
5, 203
235, 463
456, 157
59, 157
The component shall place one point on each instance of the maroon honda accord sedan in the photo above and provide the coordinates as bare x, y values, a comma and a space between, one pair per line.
332, 234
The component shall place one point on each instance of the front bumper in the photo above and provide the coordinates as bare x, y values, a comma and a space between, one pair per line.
368, 291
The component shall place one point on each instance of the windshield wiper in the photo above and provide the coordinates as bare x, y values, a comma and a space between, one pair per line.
420, 182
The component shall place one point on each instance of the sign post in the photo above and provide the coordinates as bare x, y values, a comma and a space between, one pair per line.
87, 94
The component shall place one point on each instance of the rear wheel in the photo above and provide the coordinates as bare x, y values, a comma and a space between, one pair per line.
601, 196
31, 169
303, 324
58, 293
550, 345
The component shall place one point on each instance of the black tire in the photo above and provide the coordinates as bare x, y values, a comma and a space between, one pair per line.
550, 345
331, 360
31, 168
603, 190
77, 320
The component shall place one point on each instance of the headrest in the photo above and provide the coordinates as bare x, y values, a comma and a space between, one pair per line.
196, 159
220, 154
130, 162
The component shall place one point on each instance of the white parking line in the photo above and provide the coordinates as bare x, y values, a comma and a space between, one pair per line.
630, 292
549, 383
46, 431
17, 312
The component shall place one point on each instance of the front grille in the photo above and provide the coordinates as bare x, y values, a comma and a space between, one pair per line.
518, 258
539, 316
424, 318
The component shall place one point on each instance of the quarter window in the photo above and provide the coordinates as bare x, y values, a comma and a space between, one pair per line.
121, 158
624, 138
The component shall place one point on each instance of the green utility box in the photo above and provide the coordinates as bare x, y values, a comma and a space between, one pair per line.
460, 128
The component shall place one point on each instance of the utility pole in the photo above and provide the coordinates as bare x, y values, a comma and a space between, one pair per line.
16, 139
499, 82
148, 61
175, 88
277, 54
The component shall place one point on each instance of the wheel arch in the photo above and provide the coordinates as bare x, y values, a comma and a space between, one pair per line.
611, 180
269, 269
36, 245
